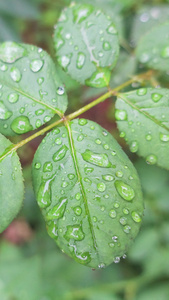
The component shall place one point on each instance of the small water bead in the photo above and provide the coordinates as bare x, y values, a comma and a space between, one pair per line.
92, 127
13, 97
47, 118
148, 137
88, 170
113, 153
115, 238
56, 131
111, 29
40, 80
98, 141
125, 211
106, 196
100, 54
106, 46
36, 65
39, 112
58, 141
101, 266
106, 146
112, 213
64, 61
71, 176
81, 13
124, 190
52, 229
164, 137
97, 159
111, 245
22, 110
4, 112
80, 138
119, 174
74, 232
11, 51
82, 122
15, 74
151, 159
77, 210
4, 68
165, 52
47, 167
37, 166
123, 221
60, 90
117, 260
116, 205
60, 154
102, 208
120, 115
136, 217
126, 229
108, 177
87, 180
58, 210
142, 92
122, 134
80, 60
101, 187
21, 125
78, 196
38, 123
156, 97
134, 146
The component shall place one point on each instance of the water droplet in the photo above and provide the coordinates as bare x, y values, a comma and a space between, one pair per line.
112, 213
99, 78
87, 180
124, 190
125, 211
94, 219
144, 57
58, 141
44, 194
47, 167
11, 51
115, 238
97, 159
64, 184
56, 131
60, 90
126, 228
122, 134
156, 97
111, 29
82, 12
36, 65
120, 115
77, 210
38, 123
21, 125
82, 122
123, 221
151, 159
111, 245
71, 176
74, 232
100, 54
116, 205
148, 137
13, 97
80, 138
142, 92
40, 80
165, 52
80, 60
119, 174
60, 154
4, 112
136, 217
52, 229
101, 266
106, 146
88, 170
98, 141
58, 210
15, 74
37, 166
134, 146
4, 68
39, 112
117, 260
164, 137
108, 177
106, 46
64, 61
78, 196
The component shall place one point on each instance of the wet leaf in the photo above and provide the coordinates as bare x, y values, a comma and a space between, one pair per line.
86, 43
142, 119
89, 193
153, 48
31, 92
11, 185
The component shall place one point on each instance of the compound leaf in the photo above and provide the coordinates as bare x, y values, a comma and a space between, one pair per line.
142, 118
153, 48
87, 45
11, 185
31, 91
89, 193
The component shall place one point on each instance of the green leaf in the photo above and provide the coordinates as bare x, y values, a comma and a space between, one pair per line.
89, 193
11, 185
19, 8
31, 91
153, 48
146, 18
142, 119
86, 43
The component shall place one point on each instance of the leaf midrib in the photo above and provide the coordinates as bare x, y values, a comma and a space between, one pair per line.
81, 184
147, 115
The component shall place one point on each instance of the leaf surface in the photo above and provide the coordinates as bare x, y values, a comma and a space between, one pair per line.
11, 185
86, 44
142, 118
89, 193
31, 91
153, 48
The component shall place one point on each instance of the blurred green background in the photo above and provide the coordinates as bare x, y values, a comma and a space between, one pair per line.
31, 265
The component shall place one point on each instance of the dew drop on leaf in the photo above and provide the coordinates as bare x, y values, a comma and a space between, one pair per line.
52, 229
36, 65
60, 90
156, 97
13, 97
164, 137
58, 210
120, 115
134, 146
123, 221
97, 159
99, 78
112, 213
60, 154
108, 177
124, 190
77, 210
136, 217
80, 60
142, 92
82, 122
151, 159
21, 125
47, 167
11, 51
44, 194
74, 232
81, 13
4, 112
15, 74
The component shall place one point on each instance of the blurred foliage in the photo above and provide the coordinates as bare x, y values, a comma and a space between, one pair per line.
36, 269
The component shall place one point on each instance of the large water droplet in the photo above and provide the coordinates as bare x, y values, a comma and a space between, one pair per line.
82, 122
64, 61
60, 154
13, 97
47, 167
60, 90
52, 229
101, 186
78, 196
80, 60
164, 137
120, 115
39, 112
111, 29
156, 97
74, 232
97, 159
88, 170
21, 125
165, 52
117, 260
4, 112
151, 159
58, 210
11, 51
77, 210
124, 190
36, 65
142, 92
98, 141
82, 12
136, 217
127, 229
108, 177
15, 74
44, 194
123, 221
99, 78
